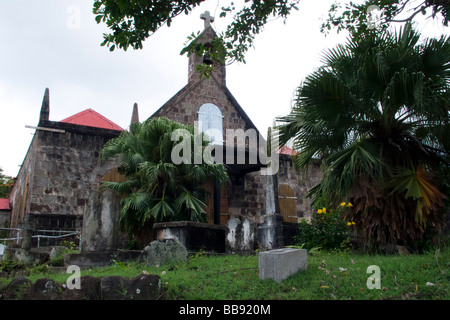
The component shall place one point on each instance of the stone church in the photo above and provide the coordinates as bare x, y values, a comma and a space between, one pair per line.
58, 183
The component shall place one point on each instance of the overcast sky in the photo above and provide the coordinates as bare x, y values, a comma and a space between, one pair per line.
55, 44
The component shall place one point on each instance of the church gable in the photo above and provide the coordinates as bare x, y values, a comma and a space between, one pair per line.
185, 105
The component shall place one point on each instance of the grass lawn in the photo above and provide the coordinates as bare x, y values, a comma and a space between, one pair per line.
330, 276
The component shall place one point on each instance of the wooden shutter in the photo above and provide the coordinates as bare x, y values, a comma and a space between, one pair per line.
113, 175
288, 203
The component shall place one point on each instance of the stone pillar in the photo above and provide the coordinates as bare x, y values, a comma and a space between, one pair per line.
270, 232
28, 230
101, 222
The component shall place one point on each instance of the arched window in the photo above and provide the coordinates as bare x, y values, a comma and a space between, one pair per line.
210, 122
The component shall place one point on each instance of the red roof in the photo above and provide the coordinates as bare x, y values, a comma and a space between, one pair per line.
91, 118
286, 150
4, 204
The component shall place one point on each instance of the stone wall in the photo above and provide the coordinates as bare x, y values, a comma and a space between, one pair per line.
66, 168
5, 221
254, 203
20, 193
300, 181
184, 106
64, 222
60, 171
247, 194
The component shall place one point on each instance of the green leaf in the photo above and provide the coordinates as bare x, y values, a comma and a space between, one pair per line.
161, 210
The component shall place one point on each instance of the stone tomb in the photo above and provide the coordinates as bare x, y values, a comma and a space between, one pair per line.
194, 236
279, 264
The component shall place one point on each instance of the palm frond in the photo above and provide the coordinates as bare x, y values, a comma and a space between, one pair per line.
188, 203
125, 187
415, 184
155, 188
162, 210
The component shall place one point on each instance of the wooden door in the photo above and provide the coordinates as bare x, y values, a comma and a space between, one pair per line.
113, 175
224, 216
288, 203
209, 187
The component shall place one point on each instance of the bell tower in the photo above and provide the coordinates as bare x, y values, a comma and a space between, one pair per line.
206, 38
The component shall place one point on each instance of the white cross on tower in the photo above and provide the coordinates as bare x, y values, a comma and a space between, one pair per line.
208, 19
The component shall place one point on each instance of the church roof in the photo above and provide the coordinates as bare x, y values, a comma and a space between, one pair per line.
286, 150
4, 204
91, 118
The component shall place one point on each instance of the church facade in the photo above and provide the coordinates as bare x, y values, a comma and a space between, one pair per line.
61, 170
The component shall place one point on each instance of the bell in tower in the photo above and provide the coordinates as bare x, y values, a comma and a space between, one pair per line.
208, 58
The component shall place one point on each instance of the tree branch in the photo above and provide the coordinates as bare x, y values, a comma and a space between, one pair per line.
414, 14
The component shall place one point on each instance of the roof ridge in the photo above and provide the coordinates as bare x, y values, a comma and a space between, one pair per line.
78, 116
103, 117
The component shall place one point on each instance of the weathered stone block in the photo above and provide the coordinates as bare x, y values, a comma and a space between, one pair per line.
279, 264
43, 289
113, 288
100, 223
164, 251
89, 290
143, 287
16, 288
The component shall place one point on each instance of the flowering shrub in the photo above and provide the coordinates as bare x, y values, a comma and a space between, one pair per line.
327, 229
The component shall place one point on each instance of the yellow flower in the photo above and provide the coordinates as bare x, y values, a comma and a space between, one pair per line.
349, 223
319, 211
343, 204
353, 223
324, 210
349, 205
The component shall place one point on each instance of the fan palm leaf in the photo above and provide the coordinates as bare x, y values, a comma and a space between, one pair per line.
155, 189
377, 114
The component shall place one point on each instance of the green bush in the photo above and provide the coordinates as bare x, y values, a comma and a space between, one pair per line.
327, 229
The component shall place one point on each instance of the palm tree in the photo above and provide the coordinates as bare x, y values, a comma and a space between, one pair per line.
377, 114
155, 189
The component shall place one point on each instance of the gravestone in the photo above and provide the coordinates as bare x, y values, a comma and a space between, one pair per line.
270, 232
279, 264
165, 251
240, 235
101, 222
